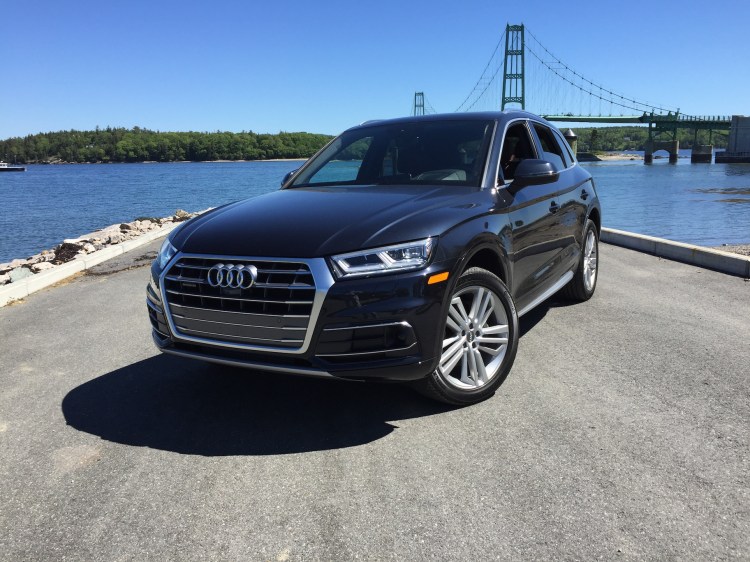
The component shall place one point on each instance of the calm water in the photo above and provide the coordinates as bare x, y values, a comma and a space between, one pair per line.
705, 204
45, 204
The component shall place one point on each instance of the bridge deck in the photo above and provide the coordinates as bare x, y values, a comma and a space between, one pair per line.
663, 121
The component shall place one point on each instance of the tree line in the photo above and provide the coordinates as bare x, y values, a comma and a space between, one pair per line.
141, 145
594, 139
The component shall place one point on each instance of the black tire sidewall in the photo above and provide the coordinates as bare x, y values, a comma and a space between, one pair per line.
590, 227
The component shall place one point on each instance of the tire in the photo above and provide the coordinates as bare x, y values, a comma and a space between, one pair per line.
480, 339
582, 286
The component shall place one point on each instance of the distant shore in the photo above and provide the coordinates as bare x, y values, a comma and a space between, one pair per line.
64, 163
612, 156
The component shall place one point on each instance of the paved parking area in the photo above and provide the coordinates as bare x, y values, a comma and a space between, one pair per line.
622, 432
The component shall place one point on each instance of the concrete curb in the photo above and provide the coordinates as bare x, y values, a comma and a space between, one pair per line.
725, 262
34, 283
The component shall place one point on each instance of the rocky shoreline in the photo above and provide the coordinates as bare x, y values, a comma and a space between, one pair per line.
72, 248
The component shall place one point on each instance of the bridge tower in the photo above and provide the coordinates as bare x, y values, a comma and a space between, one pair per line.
418, 103
513, 67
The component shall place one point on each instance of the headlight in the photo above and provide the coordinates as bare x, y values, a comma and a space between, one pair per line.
401, 257
165, 254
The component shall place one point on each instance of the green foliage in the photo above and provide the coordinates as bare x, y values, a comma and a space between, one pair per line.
140, 145
593, 139
356, 150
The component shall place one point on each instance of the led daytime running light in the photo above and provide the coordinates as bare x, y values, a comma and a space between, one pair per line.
400, 257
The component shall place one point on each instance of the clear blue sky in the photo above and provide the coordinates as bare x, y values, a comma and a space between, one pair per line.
324, 66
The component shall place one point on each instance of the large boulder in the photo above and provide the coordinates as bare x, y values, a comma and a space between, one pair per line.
20, 273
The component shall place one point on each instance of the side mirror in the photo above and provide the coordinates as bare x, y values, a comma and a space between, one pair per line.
534, 172
288, 176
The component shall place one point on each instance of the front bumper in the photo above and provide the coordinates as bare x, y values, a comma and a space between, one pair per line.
386, 327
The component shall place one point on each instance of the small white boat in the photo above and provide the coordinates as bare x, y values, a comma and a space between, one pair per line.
5, 167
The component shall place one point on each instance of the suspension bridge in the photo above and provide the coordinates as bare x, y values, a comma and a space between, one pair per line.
527, 75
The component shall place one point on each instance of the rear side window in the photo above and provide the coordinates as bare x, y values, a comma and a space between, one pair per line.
551, 149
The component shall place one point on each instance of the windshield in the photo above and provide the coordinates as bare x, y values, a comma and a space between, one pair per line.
424, 152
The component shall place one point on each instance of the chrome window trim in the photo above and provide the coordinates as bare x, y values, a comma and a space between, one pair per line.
323, 282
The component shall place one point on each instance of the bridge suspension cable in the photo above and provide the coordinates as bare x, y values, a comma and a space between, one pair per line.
586, 86
484, 81
542, 92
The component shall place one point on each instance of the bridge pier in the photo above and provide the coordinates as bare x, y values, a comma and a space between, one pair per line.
702, 154
673, 147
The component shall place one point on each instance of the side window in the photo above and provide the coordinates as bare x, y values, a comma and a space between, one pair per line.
552, 151
517, 146
345, 165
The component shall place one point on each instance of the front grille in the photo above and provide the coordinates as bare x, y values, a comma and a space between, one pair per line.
275, 312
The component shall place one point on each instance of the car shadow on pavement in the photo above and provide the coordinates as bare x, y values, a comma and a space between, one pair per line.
191, 407
529, 320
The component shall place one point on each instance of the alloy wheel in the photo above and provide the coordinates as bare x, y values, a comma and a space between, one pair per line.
476, 338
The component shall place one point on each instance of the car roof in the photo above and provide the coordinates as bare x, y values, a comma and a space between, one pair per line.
506, 115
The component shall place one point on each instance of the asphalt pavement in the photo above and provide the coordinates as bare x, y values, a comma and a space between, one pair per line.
622, 433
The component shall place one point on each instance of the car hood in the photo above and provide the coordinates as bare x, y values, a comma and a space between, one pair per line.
307, 222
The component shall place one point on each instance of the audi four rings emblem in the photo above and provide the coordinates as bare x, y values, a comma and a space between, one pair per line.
232, 276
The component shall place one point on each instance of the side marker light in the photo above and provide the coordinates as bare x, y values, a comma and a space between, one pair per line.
437, 278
